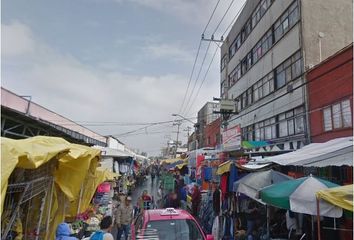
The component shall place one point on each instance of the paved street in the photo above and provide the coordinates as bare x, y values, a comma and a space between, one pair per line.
151, 187
148, 185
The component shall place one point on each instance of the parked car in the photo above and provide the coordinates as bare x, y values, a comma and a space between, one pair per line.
167, 224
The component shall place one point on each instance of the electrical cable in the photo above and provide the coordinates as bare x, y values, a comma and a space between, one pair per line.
196, 58
206, 73
211, 16
196, 80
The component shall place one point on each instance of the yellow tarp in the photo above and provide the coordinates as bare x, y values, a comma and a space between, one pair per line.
180, 166
76, 165
223, 168
28, 153
169, 161
338, 196
73, 169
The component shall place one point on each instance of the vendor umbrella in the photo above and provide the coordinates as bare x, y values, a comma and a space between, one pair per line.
251, 184
299, 195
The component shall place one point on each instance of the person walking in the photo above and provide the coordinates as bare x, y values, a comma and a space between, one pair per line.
63, 232
105, 232
124, 217
196, 199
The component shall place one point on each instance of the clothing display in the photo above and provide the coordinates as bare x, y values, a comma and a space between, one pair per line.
216, 202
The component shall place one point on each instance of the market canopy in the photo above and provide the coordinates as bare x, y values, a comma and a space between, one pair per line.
112, 152
336, 152
224, 168
169, 161
339, 196
299, 195
251, 184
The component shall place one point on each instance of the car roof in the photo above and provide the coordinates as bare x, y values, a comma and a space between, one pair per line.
160, 214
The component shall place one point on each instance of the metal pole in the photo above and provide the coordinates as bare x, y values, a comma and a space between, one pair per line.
49, 208
318, 220
178, 125
80, 198
41, 215
268, 228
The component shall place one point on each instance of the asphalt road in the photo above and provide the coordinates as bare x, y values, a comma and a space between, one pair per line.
150, 186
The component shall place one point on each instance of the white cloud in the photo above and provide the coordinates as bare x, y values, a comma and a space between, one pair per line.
195, 12
78, 91
174, 52
16, 39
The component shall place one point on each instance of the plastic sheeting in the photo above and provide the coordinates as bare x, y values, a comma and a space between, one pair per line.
223, 168
339, 196
76, 169
28, 153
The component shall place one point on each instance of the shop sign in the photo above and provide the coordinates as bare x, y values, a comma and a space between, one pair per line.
231, 138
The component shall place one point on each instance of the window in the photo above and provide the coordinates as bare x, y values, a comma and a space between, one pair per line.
299, 120
346, 113
327, 118
223, 62
174, 229
286, 21
283, 127
337, 116
289, 70
249, 96
280, 77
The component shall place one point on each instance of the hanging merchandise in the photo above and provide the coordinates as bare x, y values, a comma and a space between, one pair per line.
123, 168
206, 215
232, 177
215, 230
208, 173
223, 184
216, 201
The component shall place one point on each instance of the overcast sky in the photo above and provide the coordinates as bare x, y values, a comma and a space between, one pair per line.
105, 63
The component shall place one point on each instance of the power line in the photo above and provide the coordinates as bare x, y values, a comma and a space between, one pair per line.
222, 19
196, 80
234, 19
196, 58
190, 77
201, 67
205, 75
211, 16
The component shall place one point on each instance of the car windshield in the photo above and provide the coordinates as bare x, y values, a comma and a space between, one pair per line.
172, 230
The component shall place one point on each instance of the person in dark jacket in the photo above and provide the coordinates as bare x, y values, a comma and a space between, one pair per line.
196, 199
216, 199
63, 232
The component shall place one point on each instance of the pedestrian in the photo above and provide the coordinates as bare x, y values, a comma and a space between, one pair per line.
105, 230
252, 216
63, 232
196, 198
216, 199
124, 217
183, 197
172, 201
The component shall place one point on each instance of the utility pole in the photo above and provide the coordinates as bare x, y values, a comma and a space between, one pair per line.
188, 130
178, 124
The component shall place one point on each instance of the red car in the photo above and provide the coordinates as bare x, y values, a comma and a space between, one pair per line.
167, 224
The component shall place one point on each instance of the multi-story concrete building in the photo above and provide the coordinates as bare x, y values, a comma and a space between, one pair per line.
205, 117
264, 58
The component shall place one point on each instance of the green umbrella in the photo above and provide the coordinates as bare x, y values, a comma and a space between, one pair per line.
298, 195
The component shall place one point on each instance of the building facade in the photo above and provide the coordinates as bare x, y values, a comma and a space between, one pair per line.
330, 91
205, 117
212, 134
265, 56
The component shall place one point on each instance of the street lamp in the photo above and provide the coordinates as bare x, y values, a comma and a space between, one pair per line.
178, 115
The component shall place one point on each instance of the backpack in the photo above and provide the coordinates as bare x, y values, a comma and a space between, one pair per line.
97, 236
